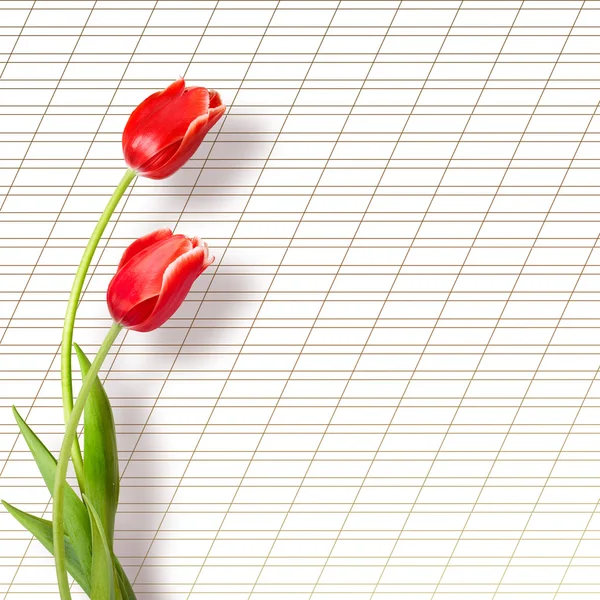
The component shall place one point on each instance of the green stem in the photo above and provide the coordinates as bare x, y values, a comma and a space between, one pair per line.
58, 524
67, 337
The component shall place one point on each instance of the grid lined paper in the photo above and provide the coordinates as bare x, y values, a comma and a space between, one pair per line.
385, 386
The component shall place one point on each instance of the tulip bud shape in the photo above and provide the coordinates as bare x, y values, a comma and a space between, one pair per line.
167, 128
154, 277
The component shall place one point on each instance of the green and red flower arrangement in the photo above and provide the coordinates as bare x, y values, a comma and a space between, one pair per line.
152, 280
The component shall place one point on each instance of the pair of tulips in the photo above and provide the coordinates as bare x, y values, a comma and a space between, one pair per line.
152, 280
157, 271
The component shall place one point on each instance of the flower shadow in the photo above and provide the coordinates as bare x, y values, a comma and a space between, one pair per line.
205, 335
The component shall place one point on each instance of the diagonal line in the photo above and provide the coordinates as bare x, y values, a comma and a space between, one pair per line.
544, 353
589, 521
359, 223
17, 40
266, 294
12, 183
560, 450
407, 384
510, 295
383, 306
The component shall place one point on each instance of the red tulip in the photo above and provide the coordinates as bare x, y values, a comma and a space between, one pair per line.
154, 277
165, 130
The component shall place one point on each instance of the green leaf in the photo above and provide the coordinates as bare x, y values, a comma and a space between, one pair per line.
42, 531
103, 583
118, 584
101, 474
101, 460
126, 588
77, 522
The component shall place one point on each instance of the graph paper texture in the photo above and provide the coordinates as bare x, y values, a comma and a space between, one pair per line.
386, 384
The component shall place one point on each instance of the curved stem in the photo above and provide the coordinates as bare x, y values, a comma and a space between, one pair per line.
67, 336
58, 525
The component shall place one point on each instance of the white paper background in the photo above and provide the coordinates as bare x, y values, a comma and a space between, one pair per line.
385, 385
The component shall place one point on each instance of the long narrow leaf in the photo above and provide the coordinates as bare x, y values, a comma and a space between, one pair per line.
101, 460
103, 587
118, 584
101, 472
41, 529
77, 522
126, 587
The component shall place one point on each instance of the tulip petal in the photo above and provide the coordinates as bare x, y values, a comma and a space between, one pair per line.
177, 281
159, 159
141, 115
201, 95
190, 143
170, 124
142, 278
142, 243
185, 150
214, 114
215, 99
140, 312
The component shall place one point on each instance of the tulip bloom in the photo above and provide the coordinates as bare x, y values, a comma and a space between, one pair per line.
166, 129
154, 277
